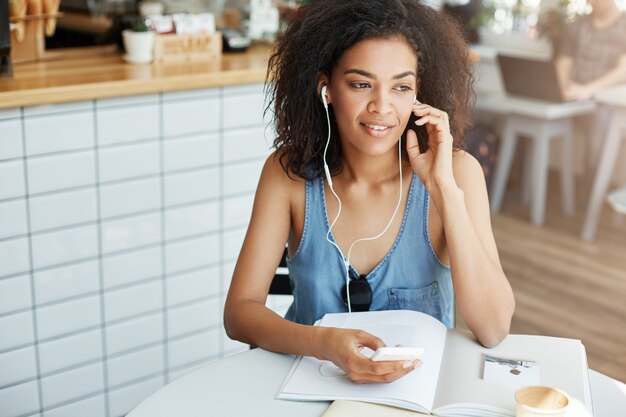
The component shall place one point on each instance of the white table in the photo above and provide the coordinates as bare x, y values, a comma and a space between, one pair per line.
615, 97
246, 385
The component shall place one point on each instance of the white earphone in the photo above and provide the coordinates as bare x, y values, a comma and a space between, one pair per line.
346, 260
323, 93
326, 170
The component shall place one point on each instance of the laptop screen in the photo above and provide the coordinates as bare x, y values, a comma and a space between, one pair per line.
530, 78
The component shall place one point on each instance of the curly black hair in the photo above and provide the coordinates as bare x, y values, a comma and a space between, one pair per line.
315, 41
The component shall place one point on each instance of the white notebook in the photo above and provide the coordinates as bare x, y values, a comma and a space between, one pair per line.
458, 377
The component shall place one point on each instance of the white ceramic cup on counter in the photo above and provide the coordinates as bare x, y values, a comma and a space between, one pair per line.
541, 401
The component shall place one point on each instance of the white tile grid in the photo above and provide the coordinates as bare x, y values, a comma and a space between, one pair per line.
123, 400
62, 209
241, 177
192, 286
191, 220
128, 161
63, 358
191, 152
131, 232
132, 301
192, 253
192, 318
243, 144
19, 399
126, 101
203, 346
192, 116
72, 384
13, 218
46, 109
237, 210
134, 366
130, 197
92, 407
11, 139
67, 281
228, 268
244, 89
190, 187
134, 333
131, 267
15, 294
70, 351
12, 179
70, 316
56, 172
17, 365
203, 93
243, 110
127, 124
16, 330
9, 113
233, 239
68, 245
37, 132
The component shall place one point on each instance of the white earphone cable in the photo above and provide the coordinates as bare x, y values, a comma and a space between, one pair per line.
330, 185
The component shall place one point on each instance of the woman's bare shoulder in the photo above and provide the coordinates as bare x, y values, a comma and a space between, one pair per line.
277, 178
467, 170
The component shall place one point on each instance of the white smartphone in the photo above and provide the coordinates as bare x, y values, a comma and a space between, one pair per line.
397, 353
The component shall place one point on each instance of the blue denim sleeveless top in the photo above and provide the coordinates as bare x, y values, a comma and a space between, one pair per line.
409, 277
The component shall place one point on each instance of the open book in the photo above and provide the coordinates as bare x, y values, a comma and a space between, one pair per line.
457, 374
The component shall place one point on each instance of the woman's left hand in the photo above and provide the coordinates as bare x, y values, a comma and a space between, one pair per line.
433, 167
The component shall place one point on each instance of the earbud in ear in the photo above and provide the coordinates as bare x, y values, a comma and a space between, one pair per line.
323, 94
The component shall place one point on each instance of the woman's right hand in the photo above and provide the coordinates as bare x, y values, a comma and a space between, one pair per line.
343, 348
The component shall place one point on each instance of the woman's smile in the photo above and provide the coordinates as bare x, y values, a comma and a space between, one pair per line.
377, 130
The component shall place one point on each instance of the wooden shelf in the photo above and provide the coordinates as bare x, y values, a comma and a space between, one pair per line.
100, 72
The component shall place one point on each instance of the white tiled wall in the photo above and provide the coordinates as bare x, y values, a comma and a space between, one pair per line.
120, 222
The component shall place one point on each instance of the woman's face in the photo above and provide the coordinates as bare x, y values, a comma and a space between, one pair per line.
372, 90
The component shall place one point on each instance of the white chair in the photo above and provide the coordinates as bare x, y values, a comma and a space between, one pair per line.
542, 123
615, 97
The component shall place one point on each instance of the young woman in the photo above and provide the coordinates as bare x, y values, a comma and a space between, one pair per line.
376, 66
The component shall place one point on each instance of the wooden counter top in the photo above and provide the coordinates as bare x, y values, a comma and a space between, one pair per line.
100, 72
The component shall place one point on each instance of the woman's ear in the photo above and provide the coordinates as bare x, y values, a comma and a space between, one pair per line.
323, 93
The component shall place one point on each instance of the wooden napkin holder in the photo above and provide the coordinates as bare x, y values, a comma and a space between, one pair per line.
175, 48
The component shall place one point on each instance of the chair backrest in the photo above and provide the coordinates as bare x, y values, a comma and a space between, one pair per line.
281, 285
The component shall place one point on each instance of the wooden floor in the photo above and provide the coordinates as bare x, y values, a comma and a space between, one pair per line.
563, 286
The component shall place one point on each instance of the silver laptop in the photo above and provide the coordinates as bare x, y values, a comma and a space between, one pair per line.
530, 78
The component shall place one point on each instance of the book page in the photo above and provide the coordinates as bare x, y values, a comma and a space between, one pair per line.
344, 408
513, 373
313, 379
462, 383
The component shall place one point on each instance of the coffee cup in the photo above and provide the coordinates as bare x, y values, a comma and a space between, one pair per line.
541, 401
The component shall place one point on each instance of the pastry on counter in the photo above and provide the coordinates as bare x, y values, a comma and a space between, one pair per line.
17, 8
34, 7
51, 7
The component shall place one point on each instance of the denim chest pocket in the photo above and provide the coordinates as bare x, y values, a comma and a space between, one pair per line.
425, 299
